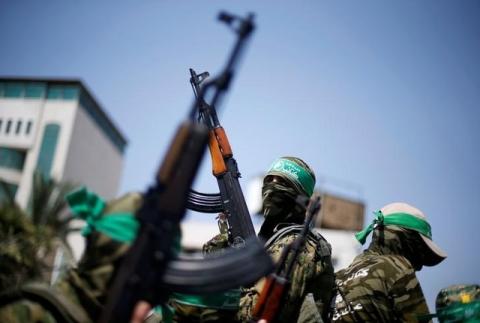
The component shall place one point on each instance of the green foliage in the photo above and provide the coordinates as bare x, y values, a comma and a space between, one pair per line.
19, 244
48, 208
28, 239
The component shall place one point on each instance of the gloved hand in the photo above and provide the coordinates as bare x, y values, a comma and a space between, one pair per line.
220, 241
216, 245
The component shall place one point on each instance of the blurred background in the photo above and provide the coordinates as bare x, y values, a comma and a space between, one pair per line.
380, 99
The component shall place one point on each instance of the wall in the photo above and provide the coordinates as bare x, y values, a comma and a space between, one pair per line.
92, 159
59, 112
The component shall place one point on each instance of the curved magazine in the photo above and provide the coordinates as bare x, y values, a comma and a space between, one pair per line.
234, 268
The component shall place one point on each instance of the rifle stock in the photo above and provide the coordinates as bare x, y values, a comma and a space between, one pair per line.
269, 302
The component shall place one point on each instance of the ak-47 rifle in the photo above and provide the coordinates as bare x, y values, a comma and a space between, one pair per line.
149, 271
230, 201
276, 285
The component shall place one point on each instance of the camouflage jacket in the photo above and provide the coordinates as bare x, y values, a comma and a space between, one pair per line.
378, 287
79, 295
38, 302
312, 274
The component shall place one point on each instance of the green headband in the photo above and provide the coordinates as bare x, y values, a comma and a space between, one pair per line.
295, 173
403, 220
86, 205
227, 300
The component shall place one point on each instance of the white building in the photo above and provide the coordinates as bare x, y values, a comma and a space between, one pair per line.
57, 127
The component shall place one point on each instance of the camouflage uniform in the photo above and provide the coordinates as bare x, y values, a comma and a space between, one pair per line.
380, 285
312, 278
79, 295
458, 303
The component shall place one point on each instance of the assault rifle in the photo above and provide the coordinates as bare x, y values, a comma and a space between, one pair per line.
230, 201
150, 271
277, 284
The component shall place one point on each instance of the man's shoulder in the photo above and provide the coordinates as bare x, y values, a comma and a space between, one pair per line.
373, 258
25, 311
392, 266
286, 234
40, 303
395, 263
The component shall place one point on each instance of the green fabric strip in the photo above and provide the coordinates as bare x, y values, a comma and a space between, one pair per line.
403, 220
468, 312
118, 226
86, 205
166, 312
295, 173
83, 202
228, 300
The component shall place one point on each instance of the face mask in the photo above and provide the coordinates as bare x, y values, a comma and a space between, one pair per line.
415, 249
278, 200
404, 242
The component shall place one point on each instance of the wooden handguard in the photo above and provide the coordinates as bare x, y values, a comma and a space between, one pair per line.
175, 151
219, 150
270, 299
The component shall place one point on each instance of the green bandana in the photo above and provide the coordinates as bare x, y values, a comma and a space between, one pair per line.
86, 205
228, 300
295, 173
403, 220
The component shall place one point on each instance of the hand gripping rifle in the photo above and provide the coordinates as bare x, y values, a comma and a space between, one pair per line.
276, 285
230, 201
149, 271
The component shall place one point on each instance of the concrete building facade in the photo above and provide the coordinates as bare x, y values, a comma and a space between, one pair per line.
57, 127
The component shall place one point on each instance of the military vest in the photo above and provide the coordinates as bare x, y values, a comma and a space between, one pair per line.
323, 248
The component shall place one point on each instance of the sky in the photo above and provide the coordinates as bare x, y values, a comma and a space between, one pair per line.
380, 98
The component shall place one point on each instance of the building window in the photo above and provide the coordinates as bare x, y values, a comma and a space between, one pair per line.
9, 125
54, 92
28, 128
13, 90
70, 92
47, 149
19, 127
35, 90
12, 158
39, 90
63, 92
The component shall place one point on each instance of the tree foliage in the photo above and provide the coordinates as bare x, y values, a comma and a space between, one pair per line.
29, 238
